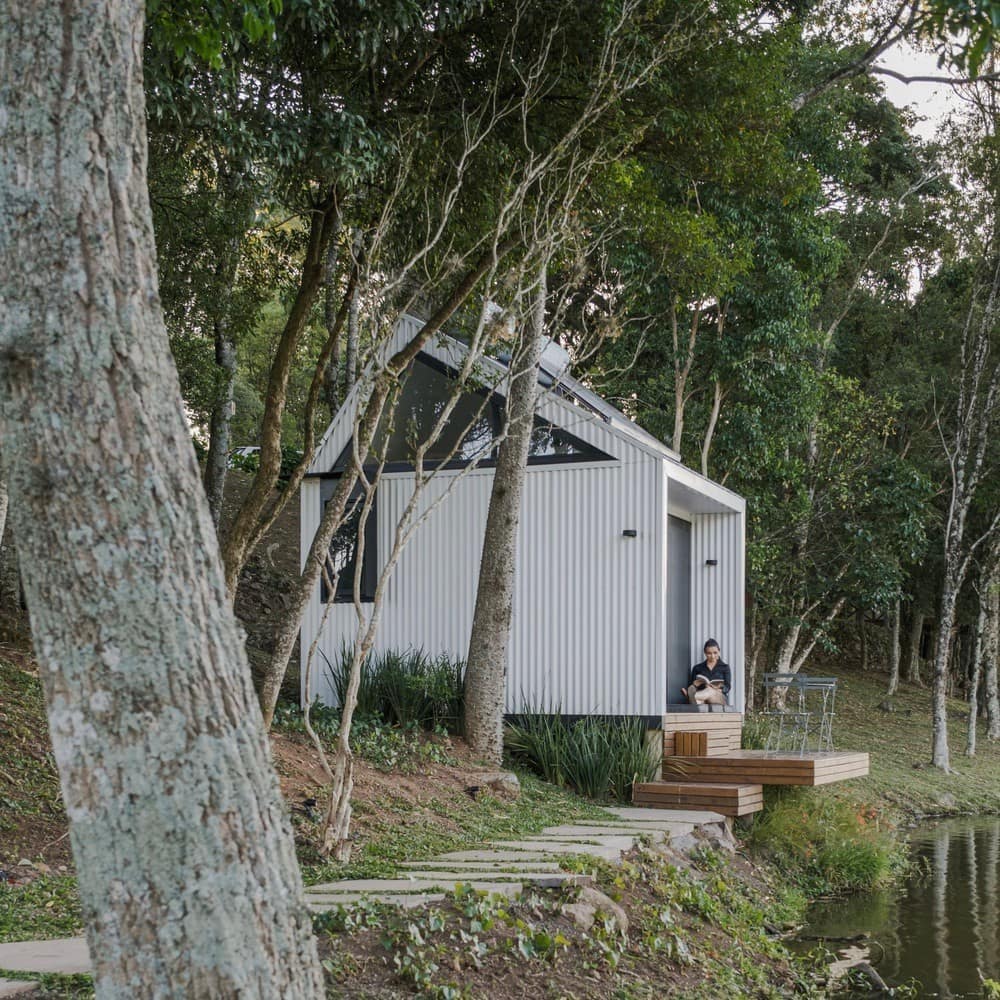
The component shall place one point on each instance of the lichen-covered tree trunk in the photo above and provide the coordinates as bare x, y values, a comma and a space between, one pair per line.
187, 872
3, 507
991, 654
916, 633
486, 670
940, 754
894, 651
976, 672
217, 461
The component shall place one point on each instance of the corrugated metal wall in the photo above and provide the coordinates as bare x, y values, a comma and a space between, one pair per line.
717, 592
588, 629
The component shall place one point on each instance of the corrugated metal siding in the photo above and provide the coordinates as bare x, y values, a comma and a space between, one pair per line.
588, 633
717, 592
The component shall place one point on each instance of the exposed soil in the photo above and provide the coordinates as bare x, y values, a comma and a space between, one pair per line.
473, 947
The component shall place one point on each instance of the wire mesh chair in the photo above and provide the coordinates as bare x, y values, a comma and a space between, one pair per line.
800, 712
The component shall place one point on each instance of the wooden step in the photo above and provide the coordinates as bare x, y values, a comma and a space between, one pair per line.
728, 799
760, 767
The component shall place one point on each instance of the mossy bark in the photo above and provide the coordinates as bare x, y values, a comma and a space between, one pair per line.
187, 872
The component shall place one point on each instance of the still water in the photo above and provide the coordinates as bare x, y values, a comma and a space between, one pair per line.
942, 926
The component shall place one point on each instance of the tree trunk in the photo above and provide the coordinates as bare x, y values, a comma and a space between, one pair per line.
331, 377
976, 673
353, 323
187, 872
217, 462
243, 534
365, 425
991, 653
486, 670
758, 626
916, 634
3, 510
894, 652
859, 618
940, 755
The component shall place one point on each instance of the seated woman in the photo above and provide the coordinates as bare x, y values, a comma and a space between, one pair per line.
710, 680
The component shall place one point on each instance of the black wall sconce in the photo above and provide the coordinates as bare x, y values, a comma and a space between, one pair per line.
629, 533
711, 562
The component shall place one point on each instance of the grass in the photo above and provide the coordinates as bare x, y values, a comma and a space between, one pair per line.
29, 783
454, 825
899, 743
47, 907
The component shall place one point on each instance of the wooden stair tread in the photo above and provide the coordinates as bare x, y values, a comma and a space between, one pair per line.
757, 767
730, 799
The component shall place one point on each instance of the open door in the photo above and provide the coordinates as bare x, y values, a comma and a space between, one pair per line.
679, 653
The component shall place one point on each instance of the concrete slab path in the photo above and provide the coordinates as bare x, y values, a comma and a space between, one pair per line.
63, 955
503, 868
16, 988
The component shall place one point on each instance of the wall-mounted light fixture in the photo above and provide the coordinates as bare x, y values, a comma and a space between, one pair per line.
711, 562
630, 533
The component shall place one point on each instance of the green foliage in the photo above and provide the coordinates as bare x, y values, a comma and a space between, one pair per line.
825, 842
408, 688
47, 907
599, 758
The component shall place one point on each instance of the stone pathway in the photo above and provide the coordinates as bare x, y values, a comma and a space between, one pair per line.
63, 955
505, 868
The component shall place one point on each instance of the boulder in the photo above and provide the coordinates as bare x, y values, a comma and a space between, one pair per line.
589, 904
500, 784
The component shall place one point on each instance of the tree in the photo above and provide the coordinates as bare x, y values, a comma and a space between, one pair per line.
486, 670
187, 871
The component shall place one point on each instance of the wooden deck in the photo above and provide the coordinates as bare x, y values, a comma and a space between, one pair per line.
763, 768
728, 799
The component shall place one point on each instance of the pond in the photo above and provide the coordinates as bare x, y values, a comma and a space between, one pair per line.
941, 927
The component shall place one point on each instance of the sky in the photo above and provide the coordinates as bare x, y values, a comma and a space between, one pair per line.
931, 101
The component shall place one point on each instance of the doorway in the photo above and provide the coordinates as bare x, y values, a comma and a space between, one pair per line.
679, 654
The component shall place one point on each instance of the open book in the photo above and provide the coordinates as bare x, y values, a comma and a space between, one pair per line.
701, 681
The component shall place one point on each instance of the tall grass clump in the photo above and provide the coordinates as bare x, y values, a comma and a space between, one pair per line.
596, 757
406, 688
826, 843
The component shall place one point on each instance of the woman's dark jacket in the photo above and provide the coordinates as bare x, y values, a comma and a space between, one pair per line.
720, 672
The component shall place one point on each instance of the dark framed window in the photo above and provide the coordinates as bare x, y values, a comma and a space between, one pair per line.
471, 431
343, 561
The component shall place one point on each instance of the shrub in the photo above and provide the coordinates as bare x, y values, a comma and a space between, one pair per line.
825, 842
595, 756
406, 688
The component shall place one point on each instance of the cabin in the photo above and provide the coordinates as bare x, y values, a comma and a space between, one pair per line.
627, 559
627, 562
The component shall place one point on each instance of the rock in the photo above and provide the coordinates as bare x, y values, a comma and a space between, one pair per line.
25, 863
500, 784
686, 843
886, 706
719, 837
43, 868
592, 902
946, 800
864, 974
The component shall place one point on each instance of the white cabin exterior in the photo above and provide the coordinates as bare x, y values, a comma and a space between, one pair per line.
605, 623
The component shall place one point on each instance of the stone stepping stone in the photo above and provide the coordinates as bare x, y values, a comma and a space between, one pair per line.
404, 902
601, 833
64, 955
541, 848
475, 866
545, 879
394, 885
640, 826
617, 843
694, 816
17, 988
506, 856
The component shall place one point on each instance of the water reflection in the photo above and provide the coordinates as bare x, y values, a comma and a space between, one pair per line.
941, 926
